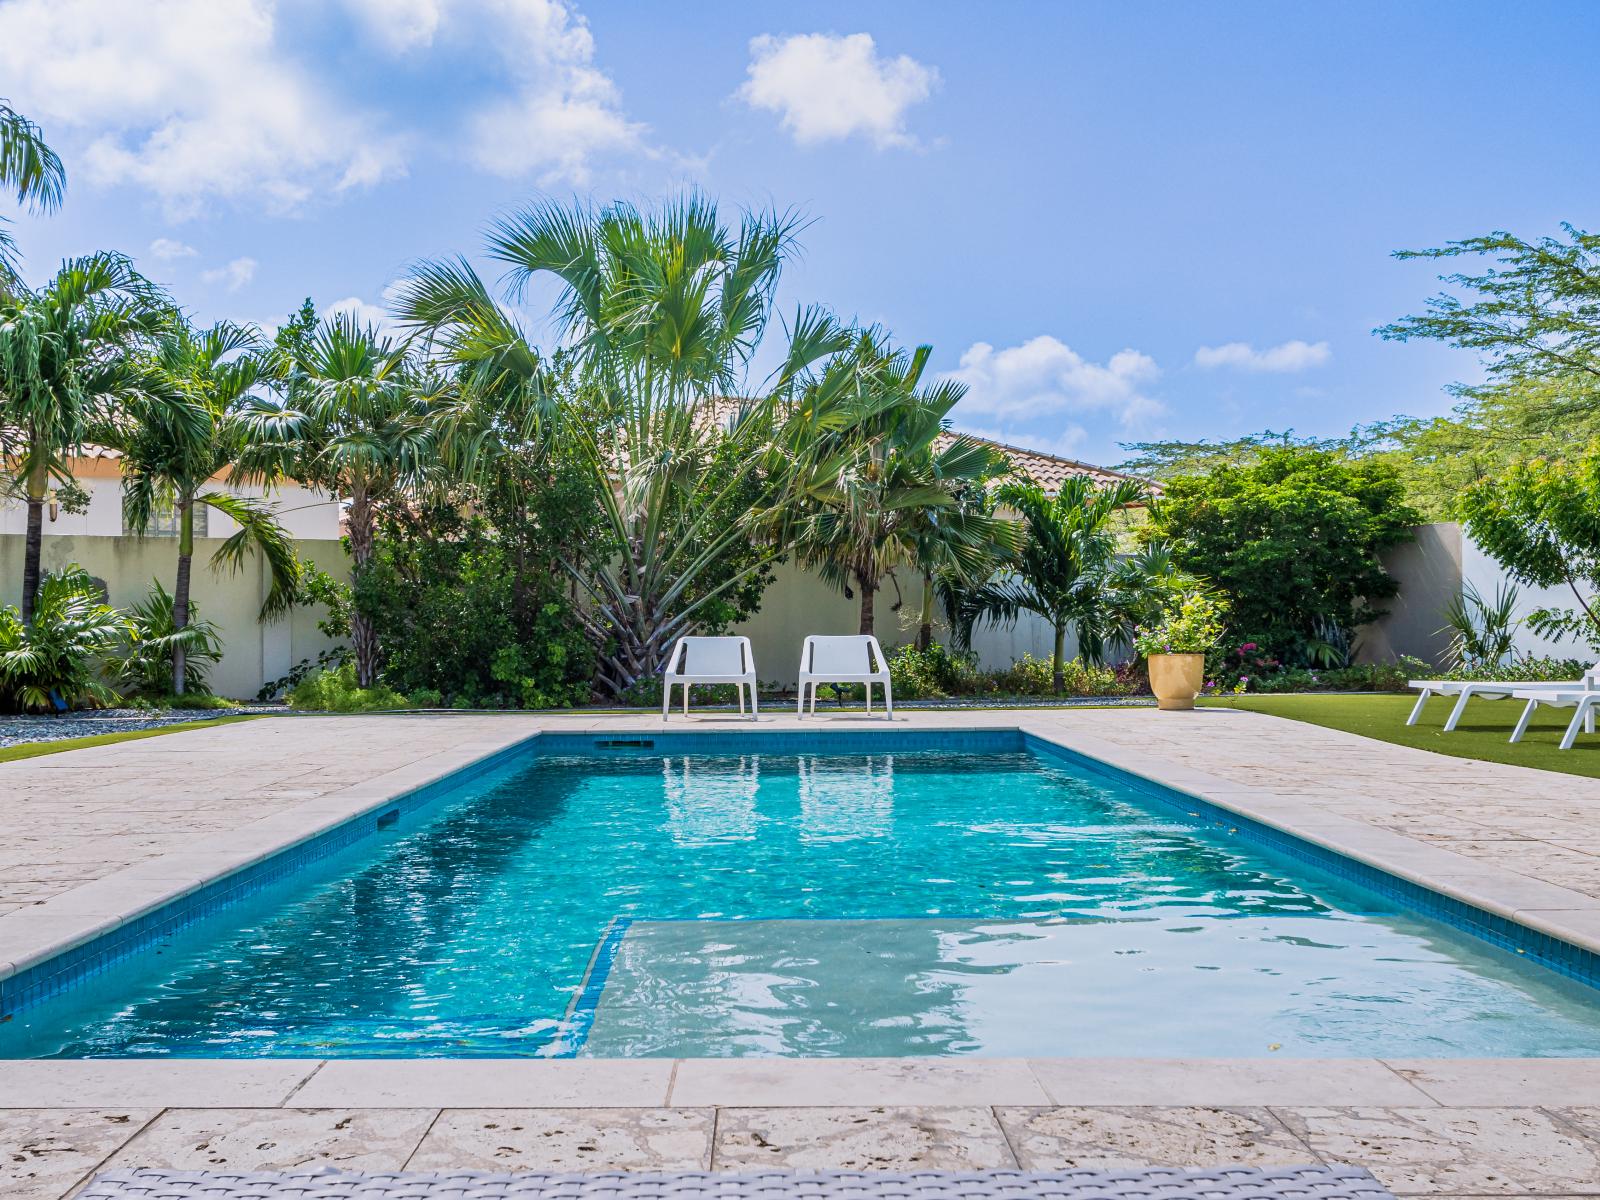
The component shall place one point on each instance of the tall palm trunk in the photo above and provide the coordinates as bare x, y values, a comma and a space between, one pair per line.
925, 626
363, 637
180, 591
1058, 675
869, 593
38, 487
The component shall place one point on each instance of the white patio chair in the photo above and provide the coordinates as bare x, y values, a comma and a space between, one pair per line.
1586, 700
856, 658
710, 660
1465, 690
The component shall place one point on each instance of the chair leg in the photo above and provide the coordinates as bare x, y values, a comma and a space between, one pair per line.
869, 697
666, 698
800, 705
1577, 723
740, 690
1455, 713
1522, 721
1588, 724
686, 699
1422, 701
755, 704
813, 697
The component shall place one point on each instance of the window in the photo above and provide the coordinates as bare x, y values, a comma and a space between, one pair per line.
164, 523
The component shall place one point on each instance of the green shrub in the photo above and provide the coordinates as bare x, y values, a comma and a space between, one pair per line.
933, 674
1533, 670
145, 668
59, 657
336, 691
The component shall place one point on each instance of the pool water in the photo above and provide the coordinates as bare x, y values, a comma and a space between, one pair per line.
813, 904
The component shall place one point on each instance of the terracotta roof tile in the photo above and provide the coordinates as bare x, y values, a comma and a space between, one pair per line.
1048, 470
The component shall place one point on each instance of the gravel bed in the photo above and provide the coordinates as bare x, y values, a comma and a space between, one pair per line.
17, 731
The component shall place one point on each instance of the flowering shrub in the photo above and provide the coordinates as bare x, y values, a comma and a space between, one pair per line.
1193, 627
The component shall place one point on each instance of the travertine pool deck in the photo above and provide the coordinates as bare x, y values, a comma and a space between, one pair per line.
90, 838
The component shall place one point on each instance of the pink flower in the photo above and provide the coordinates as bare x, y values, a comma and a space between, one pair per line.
1248, 646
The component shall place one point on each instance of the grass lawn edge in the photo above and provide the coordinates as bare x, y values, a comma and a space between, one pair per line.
62, 745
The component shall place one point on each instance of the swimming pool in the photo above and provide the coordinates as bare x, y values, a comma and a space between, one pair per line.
646, 897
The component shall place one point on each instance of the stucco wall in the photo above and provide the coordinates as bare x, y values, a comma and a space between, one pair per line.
1429, 573
305, 514
253, 652
799, 603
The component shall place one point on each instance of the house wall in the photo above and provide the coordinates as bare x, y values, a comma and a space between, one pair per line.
253, 651
305, 514
1432, 572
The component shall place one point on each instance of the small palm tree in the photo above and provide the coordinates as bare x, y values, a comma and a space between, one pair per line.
67, 361
185, 428
885, 493
54, 659
1068, 571
30, 170
354, 419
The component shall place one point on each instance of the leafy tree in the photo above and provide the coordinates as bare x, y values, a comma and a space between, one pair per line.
185, 429
1068, 571
66, 361
1294, 540
1534, 314
353, 420
886, 493
1540, 520
30, 170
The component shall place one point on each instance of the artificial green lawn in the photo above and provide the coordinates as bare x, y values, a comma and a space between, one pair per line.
35, 749
1482, 734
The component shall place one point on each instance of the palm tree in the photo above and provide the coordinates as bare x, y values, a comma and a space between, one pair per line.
663, 314
354, 419
886, 493
66, 361
1067, 570
31, 170
186, 429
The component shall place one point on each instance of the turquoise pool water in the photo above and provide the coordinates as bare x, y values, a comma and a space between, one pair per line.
786, 904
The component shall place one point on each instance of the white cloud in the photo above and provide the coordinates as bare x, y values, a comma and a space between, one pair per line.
560, 112
365, 313
1044, 377
192, 99
166, 249
1286, 357
826, 86
235, 274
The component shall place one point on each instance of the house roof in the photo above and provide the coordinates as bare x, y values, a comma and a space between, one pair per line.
1048, 470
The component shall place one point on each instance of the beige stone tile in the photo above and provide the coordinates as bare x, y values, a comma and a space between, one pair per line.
1504, 1082
44, 1153
182, 1083
488, 1083
257, 1139
1049, 1139
1477, 1151
767, 1082
1100, 1082
549, 1139
856, 1138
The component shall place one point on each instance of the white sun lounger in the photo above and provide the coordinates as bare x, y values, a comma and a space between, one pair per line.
1585, 700
710, 660
856, 658
1465, 690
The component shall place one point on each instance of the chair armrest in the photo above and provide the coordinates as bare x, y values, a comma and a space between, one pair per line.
674, 659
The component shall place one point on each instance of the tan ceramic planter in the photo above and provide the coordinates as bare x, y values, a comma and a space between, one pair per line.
1176, 679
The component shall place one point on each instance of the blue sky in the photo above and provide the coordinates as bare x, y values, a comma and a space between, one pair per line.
1114, 221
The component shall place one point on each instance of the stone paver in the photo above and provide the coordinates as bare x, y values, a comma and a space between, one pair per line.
255, 1139
1051, 1139
861, 1139
572, 1139
43, 1154
1478, 1151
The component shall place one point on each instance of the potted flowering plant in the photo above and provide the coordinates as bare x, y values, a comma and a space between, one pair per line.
1176, 646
